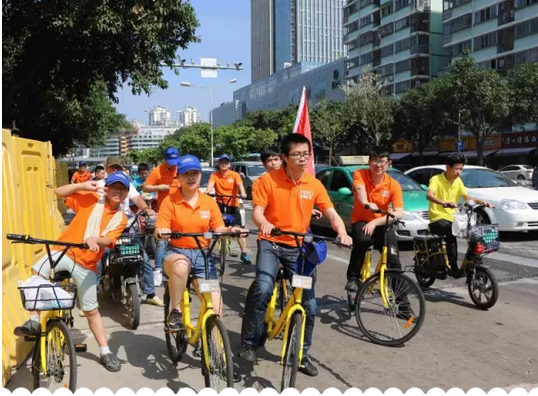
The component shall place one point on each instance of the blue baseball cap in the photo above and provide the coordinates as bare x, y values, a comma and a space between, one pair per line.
118, 177
225, 157
171, 155
82, 163
188, 162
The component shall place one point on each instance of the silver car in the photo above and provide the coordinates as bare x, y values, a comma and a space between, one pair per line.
249, 171
517, 172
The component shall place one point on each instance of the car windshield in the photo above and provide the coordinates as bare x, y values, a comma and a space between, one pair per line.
256, 170
485, 178
405, 181
205, 178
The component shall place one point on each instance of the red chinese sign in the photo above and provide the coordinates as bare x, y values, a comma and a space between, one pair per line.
520, 139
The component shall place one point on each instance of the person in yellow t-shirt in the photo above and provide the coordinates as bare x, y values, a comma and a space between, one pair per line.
444, 192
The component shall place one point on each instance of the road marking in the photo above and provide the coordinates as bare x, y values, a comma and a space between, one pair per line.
339, 259
507, 258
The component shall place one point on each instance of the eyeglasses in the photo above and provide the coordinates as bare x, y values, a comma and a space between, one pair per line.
299, 155
379, 162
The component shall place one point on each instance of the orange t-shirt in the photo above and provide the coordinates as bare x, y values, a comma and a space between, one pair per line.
387, 192
83, 204
79, 177
227, 184
163, 175
177, 215
289, 206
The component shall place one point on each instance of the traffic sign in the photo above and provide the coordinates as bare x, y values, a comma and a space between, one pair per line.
459, 145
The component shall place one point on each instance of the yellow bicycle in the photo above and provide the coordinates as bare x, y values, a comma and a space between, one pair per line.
389, 307
291, 321
216, 350
54, 360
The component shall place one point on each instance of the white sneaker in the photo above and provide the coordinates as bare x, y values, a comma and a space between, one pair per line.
157, 278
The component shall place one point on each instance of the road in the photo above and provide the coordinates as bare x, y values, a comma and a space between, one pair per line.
458, 345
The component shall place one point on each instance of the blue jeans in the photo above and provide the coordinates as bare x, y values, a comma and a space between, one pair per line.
149, 282
197, 260
270, 256
159, 254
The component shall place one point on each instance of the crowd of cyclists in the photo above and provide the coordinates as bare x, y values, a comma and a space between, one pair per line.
285, 197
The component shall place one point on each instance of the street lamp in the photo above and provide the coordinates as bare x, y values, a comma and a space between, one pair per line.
188, 84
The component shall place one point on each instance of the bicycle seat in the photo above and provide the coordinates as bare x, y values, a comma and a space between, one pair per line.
61, 275
283, 273
427, 238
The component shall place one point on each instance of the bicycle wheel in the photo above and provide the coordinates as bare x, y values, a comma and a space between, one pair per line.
150, 245
176, 341
483, 284
133, 306
60, 357
220, 375
293, 347
224, 243
36, 361
401, 320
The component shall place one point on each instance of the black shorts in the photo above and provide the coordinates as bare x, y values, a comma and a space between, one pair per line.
233, 211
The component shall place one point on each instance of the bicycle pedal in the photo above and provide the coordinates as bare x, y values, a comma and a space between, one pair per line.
30, 338
81, 347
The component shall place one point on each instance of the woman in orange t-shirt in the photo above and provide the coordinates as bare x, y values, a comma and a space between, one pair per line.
188, 210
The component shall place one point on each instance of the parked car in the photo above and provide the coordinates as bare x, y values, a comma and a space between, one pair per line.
517, 172
249, 171
515, 207
338, 182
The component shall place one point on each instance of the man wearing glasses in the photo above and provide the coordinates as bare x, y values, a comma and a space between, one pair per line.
375, 188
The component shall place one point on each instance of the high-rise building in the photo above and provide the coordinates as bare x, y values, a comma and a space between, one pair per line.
189, 116
285, 32
499, 34
159, 116
399, 39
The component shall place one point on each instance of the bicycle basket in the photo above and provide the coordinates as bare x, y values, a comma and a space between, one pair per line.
44, 296
486, 235
315, 253
126, 250
147, 224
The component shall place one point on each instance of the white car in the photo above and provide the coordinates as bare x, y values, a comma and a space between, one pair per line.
515, 207
518, 172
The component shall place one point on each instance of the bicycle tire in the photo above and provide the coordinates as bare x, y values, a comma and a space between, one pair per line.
494, 289
223, 247
396, 280
293, 347
222, 357
424, 281
133, 305
59, 374
36, 361
176, 342
150, 245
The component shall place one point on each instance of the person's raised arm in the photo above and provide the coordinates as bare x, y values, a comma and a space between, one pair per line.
68, 189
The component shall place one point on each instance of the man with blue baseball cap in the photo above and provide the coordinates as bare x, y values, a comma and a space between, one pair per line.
99, 221
226, 182
164, 181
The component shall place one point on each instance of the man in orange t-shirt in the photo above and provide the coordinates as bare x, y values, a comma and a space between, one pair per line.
285, 199
163, 180
82, 263
82, 175
228, 182
375, 188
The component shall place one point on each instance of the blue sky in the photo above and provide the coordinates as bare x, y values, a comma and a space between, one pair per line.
225, 35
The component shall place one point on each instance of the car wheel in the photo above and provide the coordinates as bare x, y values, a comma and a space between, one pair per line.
249, 193
520, 177
482, 218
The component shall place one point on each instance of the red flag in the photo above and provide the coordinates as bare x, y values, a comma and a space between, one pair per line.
302, 127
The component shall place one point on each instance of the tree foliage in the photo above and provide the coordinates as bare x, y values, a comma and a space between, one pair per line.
239, 141
60, 59
523, 80
328, 124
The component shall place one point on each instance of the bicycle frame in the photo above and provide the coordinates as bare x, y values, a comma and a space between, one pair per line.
443, 251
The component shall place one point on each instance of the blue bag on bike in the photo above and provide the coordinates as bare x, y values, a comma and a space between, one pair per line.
315, 253
229, 220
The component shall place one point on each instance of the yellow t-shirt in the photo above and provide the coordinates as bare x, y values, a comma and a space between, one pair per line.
445, 191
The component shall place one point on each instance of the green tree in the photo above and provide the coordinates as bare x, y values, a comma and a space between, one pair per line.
370, 110
328, 126
196, 140
239, 140
480, 100
58, 56
279, 121
523, 80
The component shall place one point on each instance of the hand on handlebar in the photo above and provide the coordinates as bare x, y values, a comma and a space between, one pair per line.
266, 228
451, 205
239, 230
160, 231
317, 214
92, 243
244, 196
345, 239
371, 206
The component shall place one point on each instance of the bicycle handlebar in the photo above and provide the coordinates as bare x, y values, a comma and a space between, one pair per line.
205, 235
306, 236
34, 241
395, 219
224, 196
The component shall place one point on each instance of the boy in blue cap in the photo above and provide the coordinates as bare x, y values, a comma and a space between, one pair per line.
99, 221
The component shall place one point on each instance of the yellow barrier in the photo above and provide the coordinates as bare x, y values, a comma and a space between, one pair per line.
28, 207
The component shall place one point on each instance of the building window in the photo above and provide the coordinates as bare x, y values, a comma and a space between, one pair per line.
457, 3
460, 23
399, 4
366, 38
402, 66
386, 30
352, 27
530, 55
364, 3
367, 20
387, 50
402, 45
525, 3
485, 15
527, 28
457, 49
485, 41
401, 24
386, 11
367, 58
386, 70
403, 86
354, 62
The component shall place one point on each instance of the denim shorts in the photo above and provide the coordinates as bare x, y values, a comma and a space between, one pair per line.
197, 261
